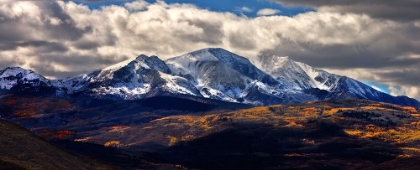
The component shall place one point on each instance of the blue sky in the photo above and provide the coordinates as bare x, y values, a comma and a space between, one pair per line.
382, 87
233, 6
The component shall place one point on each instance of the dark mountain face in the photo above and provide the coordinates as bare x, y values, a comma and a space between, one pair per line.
22, 149
212, 73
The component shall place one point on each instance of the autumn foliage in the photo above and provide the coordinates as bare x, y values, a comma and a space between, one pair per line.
60, 134
113, 143
29, 106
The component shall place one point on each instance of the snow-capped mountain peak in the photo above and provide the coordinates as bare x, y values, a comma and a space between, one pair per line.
217, 56
220, 74
130, 79
12, 76
299, 75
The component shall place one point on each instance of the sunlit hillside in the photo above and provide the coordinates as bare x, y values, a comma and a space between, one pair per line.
354, 133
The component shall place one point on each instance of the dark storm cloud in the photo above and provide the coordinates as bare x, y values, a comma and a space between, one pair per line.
47, 69
79, 62
6, 63
40, 46
212, 32
75, 59
21, 31
387, 48
66, 30
84, 45
242, 41
402, 10
403, 76
107, 40
342, 56
15, 30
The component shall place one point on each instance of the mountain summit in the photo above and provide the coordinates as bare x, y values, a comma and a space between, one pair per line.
213, 73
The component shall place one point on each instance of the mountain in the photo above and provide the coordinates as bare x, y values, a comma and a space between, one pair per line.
21, 149
19, 80
212, 73
131, 79
207, 73
222, 75
322, 84
299, 75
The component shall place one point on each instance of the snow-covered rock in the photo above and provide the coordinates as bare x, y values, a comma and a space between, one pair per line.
16, 79
12, 76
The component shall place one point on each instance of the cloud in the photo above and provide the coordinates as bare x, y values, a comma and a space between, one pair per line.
136, 5
402, 10
267, 11
402, 75
397, 90
61, 39
91, 0
246, 9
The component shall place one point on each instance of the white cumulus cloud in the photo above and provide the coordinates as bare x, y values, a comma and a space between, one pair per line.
267, 11
246, 9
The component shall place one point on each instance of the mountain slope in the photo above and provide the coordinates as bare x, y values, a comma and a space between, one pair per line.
21, 149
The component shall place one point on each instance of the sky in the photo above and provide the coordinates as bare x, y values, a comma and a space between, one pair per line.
249, 8
374, 41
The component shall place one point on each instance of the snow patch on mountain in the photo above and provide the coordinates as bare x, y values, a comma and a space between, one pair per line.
320, 78
176, 84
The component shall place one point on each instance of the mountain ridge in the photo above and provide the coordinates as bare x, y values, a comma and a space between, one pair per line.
212, 73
